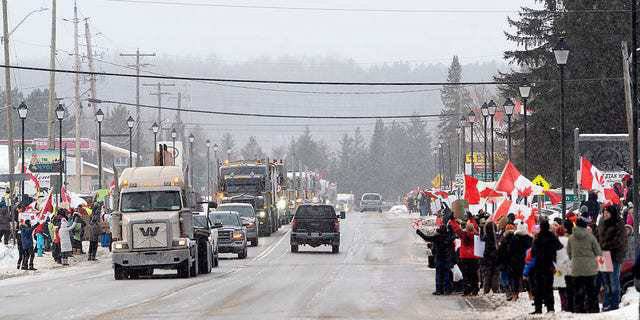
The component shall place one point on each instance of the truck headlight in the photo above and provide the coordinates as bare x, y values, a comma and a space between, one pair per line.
182, 242
237, 235
262, 214
282, 204
120, 245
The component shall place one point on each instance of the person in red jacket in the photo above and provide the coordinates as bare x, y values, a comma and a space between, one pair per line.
468, 262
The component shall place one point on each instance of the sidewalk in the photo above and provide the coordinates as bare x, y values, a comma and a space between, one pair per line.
9, 259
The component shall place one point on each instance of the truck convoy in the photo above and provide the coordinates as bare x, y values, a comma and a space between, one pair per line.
152, 227
256, 182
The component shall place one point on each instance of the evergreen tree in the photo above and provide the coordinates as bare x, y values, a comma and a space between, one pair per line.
593, 30
227, 143
252, 150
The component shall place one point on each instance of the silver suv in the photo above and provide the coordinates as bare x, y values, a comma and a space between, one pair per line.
371, 202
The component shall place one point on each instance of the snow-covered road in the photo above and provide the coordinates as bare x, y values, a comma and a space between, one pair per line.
380, 273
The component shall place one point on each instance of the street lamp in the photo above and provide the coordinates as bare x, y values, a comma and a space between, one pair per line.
493, 107
485, 113
208, 168
99, 118
155, 130
508, 110
216, 148
174, 135
22, 113
130, 124
471, 119
561, 53
461, 144
192, 138
442, 166
60, 116
525, 91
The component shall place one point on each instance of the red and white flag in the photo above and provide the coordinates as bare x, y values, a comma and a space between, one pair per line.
590, 177
514, 183
47, 208
471, 193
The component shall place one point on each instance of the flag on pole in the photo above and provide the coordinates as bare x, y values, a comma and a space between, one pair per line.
514, 183
502, 211
553, 197
471, 193
590, 177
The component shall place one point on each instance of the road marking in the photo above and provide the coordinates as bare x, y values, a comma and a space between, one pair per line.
267, 252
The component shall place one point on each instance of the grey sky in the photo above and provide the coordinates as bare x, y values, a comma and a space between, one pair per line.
237, 34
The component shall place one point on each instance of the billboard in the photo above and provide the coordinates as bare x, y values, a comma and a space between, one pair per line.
43, 161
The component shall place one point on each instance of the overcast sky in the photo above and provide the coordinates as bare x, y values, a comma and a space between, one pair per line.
474, 30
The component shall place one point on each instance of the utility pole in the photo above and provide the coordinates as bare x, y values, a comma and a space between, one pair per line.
76, 53
52, 80
92, 68
7, 95
159, 93
138, 123
634, 132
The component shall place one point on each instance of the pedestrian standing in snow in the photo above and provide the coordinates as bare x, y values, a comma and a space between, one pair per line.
19, 211
544, 250
613, 238
65, 240
92, 234
563, 270
5, 222
55, 239
442, 248
26, 231
516, 250
489, 261
583, 248
468, 262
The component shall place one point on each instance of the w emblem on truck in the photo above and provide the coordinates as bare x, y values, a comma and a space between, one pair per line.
149, 231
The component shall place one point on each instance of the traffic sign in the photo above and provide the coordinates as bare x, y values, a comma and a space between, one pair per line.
540, 181
459, 180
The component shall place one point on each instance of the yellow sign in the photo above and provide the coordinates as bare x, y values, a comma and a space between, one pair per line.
540, 181
437, 181
478, 157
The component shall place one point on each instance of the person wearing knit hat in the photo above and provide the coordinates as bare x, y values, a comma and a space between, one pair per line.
583, 248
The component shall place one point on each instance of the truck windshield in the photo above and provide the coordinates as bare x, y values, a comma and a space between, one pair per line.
226, 218
150, 201
242, 185
315, 212
243, 211
243, 171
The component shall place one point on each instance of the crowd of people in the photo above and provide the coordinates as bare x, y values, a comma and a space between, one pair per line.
580, 256
60, 233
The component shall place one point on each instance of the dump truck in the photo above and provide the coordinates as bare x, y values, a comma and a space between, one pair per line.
152, 227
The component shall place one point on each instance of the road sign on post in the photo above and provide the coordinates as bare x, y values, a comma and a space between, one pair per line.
459, 180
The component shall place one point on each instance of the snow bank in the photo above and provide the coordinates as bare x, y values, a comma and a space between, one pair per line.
504, 310
8, 256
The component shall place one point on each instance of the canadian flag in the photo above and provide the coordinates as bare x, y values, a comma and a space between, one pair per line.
47, 208
471, 193
514, 183
502, 210
590, 177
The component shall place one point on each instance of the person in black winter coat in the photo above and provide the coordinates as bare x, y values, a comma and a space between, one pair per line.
612, 237
5, 222
544, 250
26, 231
489, 261
593, 207
443, 254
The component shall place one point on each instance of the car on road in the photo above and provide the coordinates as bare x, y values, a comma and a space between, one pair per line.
315, 225
202, 224
248, 215
232, 236
371, 202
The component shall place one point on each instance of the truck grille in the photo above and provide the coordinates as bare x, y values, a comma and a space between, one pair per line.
224, 236
149, 235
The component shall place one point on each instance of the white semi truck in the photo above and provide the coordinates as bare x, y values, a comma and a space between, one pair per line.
152, 227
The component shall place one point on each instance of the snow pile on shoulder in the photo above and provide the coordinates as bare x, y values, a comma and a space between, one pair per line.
399, 209
8, 256
495, 307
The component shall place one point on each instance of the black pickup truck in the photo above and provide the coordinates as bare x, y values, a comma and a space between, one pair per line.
315, 225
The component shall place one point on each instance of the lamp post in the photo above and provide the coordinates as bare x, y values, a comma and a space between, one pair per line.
208, 143
525, 91
174, 135
60, 116
192, 138
561, 53
442, 166
493, 107
215, 154
485, 113
130, 124
508, 106
99, 118
471, 119
155, 128
22, 113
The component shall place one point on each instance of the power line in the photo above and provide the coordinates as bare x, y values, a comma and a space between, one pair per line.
284, 116
345, 9
294, 82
